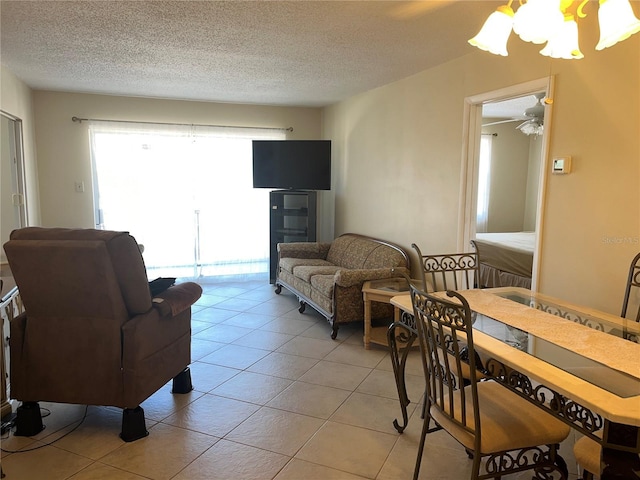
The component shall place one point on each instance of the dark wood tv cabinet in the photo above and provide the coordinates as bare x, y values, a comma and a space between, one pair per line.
292, 219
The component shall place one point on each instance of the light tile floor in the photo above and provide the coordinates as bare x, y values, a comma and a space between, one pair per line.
274, 398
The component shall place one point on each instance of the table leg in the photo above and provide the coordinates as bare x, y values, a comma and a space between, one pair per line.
619, 464
367, 323
399, 361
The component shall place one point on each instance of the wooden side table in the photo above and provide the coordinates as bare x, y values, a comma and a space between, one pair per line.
380, 291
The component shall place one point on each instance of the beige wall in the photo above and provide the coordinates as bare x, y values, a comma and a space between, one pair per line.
63, 145
533, 183
16, 100
508, 178
400, 149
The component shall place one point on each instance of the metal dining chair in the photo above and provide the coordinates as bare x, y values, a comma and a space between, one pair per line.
490, 421
588, 453
437, 272
452, 271
586, 450
633, 282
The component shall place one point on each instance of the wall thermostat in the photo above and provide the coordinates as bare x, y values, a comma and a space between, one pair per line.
561, 165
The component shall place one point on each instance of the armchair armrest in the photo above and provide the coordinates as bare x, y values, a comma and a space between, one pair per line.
17, 334
177, 298
349, 278
304, 250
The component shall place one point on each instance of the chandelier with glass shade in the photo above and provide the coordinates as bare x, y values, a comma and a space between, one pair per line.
554, 22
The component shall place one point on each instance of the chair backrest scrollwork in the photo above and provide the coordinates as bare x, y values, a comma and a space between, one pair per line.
446, 341
453, 271
633, 284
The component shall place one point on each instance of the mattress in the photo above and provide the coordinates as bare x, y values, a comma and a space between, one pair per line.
510, 252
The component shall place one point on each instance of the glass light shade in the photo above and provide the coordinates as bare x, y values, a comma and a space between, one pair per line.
495, 32
538, 20
617, 22
532, 127
565, 43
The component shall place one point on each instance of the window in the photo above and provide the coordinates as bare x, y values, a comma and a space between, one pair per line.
185, 193
484, 178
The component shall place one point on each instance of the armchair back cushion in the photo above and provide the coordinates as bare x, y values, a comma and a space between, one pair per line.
119, 262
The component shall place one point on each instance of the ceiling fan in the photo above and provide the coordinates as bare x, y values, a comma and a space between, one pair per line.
535, 124
533, 118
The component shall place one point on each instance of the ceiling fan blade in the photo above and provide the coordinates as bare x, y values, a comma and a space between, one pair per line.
501, 121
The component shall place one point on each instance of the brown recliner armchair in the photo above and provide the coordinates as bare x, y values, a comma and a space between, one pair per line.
91, 333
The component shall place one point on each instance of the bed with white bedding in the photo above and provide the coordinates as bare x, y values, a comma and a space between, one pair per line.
506, 259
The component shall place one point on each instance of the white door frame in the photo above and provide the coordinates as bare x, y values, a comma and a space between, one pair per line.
14, 165
472, 129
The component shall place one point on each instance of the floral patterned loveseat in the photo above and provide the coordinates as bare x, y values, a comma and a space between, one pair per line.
329, 276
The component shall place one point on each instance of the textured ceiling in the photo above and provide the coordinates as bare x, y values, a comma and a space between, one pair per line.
298, 53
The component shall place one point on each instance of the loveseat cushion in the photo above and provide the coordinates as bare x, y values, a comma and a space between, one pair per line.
383, 256
324, 285
345, 253
290, 263
355, 252
304, 249
306, 273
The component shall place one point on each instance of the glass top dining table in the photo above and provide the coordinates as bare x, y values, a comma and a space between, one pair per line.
587, 361
607, 323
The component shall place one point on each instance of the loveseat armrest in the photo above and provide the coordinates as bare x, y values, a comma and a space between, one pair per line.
304, 250
352, 277
177, 298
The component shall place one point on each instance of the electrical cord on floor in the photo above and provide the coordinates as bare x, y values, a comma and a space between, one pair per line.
47, 413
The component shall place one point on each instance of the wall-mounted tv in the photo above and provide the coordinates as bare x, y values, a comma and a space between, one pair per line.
292, 164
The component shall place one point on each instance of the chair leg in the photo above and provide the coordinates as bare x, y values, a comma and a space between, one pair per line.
423, 436
133, 424
475, 469
182, 382
28, 420
587, 475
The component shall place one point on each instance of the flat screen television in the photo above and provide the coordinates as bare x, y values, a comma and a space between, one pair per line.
292, 164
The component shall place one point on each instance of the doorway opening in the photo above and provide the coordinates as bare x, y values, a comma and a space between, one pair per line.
503, 181
14, 207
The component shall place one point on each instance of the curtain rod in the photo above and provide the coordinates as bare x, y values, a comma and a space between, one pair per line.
492, 134
80, 120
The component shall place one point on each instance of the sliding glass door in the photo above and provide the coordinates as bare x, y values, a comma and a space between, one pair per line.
185, 193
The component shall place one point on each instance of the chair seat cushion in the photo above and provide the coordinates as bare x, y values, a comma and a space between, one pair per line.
587, 453
508, 421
